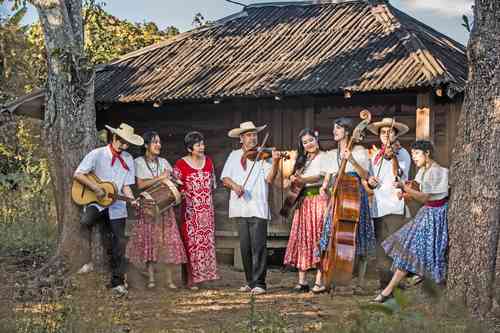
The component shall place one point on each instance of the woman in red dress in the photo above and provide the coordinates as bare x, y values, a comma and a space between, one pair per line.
196, 171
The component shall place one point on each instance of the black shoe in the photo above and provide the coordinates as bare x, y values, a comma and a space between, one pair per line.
301, 288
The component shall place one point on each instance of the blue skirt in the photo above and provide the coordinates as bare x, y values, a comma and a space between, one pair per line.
420, 246
365, 236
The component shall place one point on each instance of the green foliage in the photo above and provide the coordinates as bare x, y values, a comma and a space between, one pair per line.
107, 37
409, 312
263, 322
27, 221
465, 23
15, 69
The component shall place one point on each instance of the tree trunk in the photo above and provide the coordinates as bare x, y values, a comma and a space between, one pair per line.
69, 129
475, 170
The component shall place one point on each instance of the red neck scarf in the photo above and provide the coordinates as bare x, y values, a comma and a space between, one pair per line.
117, 156
379, 155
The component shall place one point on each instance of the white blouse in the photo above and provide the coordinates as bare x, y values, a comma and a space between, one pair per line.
330, 164
433, 181
149, 170
313, 168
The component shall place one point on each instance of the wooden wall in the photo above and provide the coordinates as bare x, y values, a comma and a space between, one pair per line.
285, 118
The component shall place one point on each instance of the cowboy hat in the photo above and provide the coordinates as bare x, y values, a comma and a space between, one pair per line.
247, 126
126, 132
388, 122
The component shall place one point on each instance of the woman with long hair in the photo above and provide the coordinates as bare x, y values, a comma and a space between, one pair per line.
307, 219
153, 242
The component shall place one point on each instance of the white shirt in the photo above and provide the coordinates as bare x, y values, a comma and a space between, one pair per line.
149, 170
330, 164
433, 181
98, 161
313, 168
254, 203
385, 200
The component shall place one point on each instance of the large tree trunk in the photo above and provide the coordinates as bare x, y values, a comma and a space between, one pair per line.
475, 170
69, 125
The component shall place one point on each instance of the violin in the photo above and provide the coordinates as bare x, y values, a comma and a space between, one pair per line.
414, 186
256, 154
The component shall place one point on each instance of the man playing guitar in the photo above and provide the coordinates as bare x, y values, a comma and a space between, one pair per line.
113, 164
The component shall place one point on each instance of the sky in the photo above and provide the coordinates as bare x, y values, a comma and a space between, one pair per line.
443, 15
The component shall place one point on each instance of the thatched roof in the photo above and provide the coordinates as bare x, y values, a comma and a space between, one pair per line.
290, 49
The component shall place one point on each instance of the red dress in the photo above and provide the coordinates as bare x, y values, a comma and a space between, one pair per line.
198, 220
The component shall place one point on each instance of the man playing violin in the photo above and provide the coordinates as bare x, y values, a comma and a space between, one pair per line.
389, 163
248, 204
111, 163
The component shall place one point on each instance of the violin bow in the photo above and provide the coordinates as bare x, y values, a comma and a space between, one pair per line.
256, 158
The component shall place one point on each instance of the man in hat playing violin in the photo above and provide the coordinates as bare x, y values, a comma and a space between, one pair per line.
248, 204
111, 163
388, 163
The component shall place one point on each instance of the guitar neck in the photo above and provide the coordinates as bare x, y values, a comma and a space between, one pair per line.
121, 197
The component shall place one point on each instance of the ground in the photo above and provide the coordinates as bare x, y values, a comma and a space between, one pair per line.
87, 306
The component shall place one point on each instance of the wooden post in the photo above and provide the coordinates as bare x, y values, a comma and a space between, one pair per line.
425, 117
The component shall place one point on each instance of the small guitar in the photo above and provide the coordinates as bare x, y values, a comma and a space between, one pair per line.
83, 195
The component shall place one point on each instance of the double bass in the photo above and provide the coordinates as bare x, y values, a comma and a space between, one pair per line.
337, 262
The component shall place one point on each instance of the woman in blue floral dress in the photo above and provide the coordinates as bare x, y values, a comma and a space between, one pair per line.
420, 246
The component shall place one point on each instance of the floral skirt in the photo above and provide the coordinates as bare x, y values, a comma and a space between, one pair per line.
156, 242
305, 233
420, 246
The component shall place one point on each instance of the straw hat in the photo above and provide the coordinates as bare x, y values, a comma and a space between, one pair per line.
387, 122
247, 126
126, 132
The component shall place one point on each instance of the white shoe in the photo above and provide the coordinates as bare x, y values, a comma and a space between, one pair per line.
245, 289
119, 291
258, 291
89, 267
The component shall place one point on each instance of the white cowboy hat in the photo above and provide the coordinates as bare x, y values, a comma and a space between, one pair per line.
126, 132
388, 122
247, 126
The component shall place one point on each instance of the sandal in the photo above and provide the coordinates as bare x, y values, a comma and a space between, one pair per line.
382, 298
318, 289
172, 286
415, 280
151, 285
301, 288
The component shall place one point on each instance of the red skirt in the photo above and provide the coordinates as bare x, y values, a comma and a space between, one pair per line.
305, 233
156, 242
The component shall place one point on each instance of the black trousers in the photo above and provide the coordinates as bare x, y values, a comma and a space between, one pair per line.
116, 229
253, 246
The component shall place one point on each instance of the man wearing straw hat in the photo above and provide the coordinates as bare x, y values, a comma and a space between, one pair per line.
388, 210
112, 163
248, 203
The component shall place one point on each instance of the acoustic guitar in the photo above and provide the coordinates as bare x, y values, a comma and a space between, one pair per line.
83, 195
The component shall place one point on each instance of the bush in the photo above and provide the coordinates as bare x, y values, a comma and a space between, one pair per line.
27, 217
